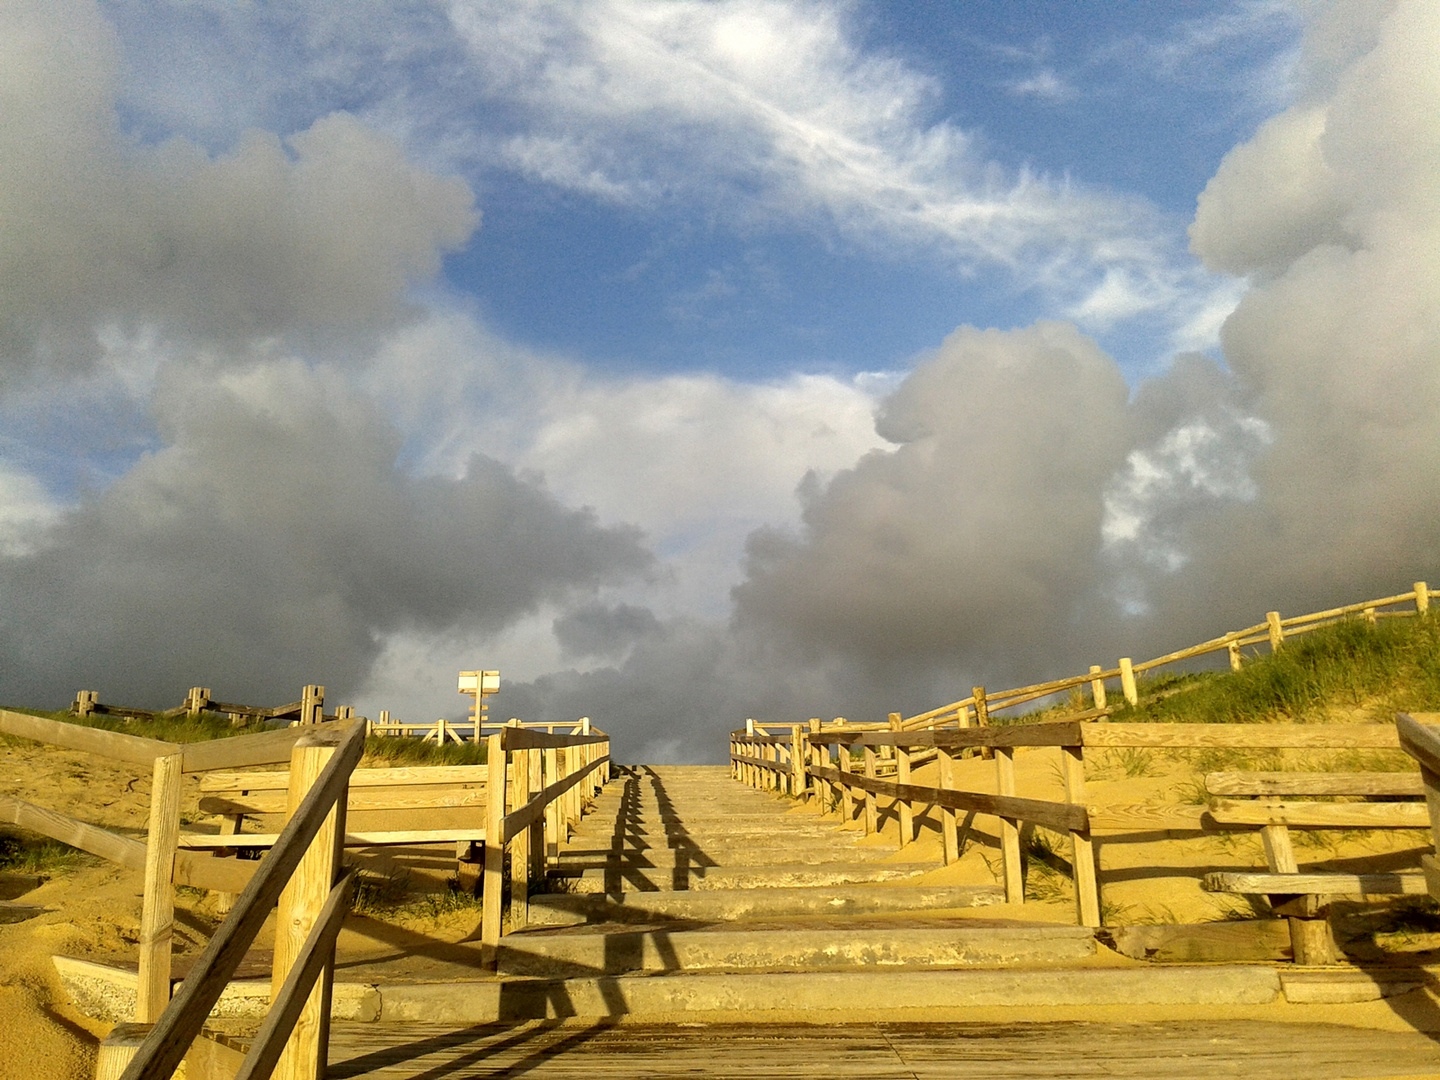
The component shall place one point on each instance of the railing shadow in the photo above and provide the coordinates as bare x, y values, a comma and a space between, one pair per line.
486, 1046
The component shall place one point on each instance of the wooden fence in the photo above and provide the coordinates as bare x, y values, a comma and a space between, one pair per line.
536, 786
310, 709
806, 760
444, 731
1273, 632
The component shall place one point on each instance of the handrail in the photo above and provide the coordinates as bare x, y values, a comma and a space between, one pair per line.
166, 1045
1274, 630
818, 763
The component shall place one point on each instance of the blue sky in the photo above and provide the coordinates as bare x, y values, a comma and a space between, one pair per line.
620, 344
692, 263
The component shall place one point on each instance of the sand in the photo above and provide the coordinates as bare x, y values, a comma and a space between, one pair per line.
93, 909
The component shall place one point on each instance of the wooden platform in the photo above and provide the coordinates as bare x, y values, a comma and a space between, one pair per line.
1178, 1050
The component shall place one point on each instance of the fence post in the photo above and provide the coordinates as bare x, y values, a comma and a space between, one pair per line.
490, 900
949, 830
1277, 632
872, 816
1422, 598
902, 776
535, 771
520, 845
300, 904
1009, 832
552, 808
1234, 649
1082, 847
1097, 687
312, 704
157, 917
813, 754
982, 716
799, 783
847, 797
1127, 681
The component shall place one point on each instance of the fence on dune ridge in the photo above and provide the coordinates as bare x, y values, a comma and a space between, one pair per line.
818, 760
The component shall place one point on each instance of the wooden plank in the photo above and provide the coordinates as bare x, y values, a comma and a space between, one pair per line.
1009, 832
165, 1047
264, 748
207, 872
756, 763
493, 874
417, 797
289, 1003
1244, 736
532, 811
1082, 848
1314, 783
1321, 884
1418, 739
109, 744
301, 907
1054, 815
1148, 817
518, 738
157, 914
364, 838
1049, 733
78, 834
404, 776
1321, 815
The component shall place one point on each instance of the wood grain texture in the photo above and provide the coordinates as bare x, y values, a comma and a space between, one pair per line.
1054, 815
1245, 736
1149, 817
412, 797
108, 744
1324, 884
78, 834
157, 914
166, 1045
1050, 733
264, 748
289, 1003
1065, 1050
518, 738
1314, 783
403, 776
1307, 815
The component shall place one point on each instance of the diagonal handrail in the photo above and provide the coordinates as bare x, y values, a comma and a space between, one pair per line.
166, 1045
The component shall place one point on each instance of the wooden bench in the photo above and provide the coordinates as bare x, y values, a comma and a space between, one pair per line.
1280, 801
387, 807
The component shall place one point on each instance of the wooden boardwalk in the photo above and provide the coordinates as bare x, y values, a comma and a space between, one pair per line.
1184, 1050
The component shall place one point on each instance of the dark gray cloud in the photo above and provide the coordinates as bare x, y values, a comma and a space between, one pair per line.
604, 631
272, 542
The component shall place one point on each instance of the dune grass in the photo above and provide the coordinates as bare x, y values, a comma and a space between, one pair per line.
1379, 669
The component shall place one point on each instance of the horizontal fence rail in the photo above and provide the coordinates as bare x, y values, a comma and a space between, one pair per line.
822, 764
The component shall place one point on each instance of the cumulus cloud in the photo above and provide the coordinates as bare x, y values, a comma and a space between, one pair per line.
1034, 517
326, 230
272, 541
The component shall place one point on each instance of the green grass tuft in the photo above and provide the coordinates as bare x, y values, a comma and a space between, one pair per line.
1392, 665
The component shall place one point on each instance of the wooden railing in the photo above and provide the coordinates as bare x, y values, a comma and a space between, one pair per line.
164, 864
551, 778
444, 731
820, 764
300, 873
981, 704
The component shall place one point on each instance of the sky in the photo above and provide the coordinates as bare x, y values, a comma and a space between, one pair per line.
695, 360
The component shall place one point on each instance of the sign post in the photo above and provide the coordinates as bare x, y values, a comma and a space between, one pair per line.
480, 685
